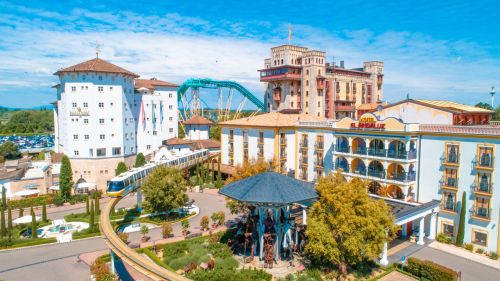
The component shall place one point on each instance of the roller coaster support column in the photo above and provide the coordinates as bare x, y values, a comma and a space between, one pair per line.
139, 200
112, 255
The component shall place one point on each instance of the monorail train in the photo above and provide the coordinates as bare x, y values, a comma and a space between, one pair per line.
131, 180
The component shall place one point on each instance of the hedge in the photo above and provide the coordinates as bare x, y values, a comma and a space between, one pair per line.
430, 270
154, 258
30, 202
5, 244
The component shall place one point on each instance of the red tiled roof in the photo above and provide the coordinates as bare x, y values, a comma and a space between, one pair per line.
96, 65
454, 129
200, 144
177, 141
197, 120
151, 83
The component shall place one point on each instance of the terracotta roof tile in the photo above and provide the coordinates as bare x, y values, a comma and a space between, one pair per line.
274, 119
200, 144
152, 83
454, 129
456, 106
197, 120
96, 65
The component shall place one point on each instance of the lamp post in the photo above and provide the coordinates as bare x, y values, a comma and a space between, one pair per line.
492, 93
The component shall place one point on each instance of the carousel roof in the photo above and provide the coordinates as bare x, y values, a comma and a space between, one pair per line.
270, 188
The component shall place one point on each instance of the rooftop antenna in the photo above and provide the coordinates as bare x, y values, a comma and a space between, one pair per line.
97, 49
492, 93
407, 96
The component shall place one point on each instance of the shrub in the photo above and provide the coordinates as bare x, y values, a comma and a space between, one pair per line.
166, 229
443, 238
228, 274
58, 200
124, 237
480, 250
185, 224
31, 202
101, 272
493, 255
218, 217
204, 221
144, 230
469, 247
430, 270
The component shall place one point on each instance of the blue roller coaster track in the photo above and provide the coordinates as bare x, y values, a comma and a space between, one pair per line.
208, 83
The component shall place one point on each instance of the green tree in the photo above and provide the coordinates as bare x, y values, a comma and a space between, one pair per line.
4, 197
3, 229
41, 155
180, 131
9, 150
34, 233
87, 206
140, 160
44, 213
9, 220
484, 105
215, 132
65, 178
219, 175
346, 226
21, 212
121, 168
461, 223
97, 206
92, 214
165, 189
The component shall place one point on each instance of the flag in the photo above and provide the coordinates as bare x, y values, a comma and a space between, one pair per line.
153, 116
161, 112
143, 113
289, 33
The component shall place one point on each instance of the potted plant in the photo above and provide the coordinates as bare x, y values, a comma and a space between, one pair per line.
215, 219
222, 218
166, 229
124, 237
204, 223
144, 232
185, 226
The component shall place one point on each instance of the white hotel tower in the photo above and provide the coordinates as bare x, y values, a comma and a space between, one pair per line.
104, 115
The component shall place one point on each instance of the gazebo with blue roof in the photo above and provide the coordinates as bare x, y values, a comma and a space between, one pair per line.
272, 194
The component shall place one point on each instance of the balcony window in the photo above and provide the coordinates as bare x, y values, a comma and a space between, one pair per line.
483, 183
304, 141
449, 202
482, 207
485, 157
452, 153
450, 177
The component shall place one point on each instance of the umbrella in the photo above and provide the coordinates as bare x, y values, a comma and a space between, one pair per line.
25, 219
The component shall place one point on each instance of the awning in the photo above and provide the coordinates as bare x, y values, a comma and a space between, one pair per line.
85, 185
31, 186
25, 219
26, 192
54, 187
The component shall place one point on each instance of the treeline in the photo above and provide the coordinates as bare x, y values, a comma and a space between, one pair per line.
29, 121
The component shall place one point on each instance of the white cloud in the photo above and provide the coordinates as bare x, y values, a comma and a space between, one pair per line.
174, 48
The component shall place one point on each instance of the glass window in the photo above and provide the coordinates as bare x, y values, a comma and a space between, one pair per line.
100, 89
448, 229
479, 238
449, 200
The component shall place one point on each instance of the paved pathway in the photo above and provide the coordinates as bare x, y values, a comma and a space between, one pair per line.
471, 271
60, 261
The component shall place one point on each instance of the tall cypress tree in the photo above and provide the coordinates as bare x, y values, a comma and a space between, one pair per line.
3, 230
461, 224
97, 206
87, 206
21, 212
4, 197
140, 160
9, 220
65, 178
212, 172
34, 233
219, 175
44, 213
91, 222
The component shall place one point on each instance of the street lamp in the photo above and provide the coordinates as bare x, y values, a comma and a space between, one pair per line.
492, 93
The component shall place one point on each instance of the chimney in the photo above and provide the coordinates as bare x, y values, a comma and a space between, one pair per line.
341, 64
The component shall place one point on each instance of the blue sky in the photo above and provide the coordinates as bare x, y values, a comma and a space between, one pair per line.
431, 49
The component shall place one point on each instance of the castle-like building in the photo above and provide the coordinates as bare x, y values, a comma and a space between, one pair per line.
105, 114
301, 80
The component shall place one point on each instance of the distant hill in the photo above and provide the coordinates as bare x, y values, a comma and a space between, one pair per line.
38, 107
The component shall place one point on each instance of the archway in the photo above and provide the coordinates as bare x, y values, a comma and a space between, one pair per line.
396, 171
396, 192
377, 148
358, 146
358, 166
376, 169
341, 163
342, 144
397, 149
374, 188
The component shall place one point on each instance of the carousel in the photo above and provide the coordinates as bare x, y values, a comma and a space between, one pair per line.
274, 226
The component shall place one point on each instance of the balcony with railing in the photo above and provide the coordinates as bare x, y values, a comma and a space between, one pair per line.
282, 141
397, 154
481, 213
377, 152
376, 173
359, 150
449, 205
452, 159
304, 143
319, 146
342, 148
450, 183
304, 161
